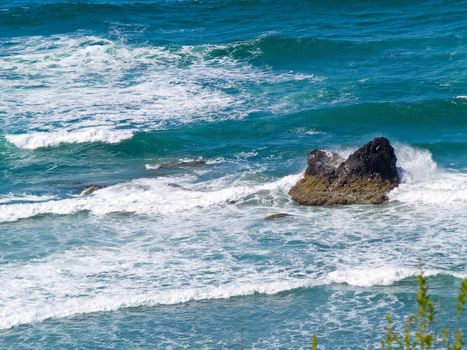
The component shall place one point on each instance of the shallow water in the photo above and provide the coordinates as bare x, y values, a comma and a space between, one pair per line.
197, 117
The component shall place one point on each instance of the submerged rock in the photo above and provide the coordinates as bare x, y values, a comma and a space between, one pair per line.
366, 176
276, 216
178, 164
90, 189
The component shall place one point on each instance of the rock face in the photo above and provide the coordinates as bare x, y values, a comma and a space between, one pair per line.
365, 177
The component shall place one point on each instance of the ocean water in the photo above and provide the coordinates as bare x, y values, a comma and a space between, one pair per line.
197, 116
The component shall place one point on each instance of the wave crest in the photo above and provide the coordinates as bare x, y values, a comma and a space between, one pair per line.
423, 182
69, 85
104, 303
143, 196
36, 140
41, 306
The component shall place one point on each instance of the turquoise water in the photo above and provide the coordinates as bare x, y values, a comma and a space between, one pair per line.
177, 255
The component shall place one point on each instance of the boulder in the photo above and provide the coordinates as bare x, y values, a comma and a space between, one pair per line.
181, 163
366, 177
276, 216
90, 189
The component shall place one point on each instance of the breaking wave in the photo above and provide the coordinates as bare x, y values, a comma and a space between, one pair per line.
382, 276
47, 139
143, 196
71, 89
424, 182
37, 305
102, 303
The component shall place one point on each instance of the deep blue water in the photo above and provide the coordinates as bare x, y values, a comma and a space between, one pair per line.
176, 255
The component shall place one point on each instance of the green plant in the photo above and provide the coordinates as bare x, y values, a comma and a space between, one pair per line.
420, 331
314, 343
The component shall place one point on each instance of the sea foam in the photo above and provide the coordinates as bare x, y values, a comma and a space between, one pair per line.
144, 196
47, 139
69, 284
105, 303
424, 183
24, 198
83, 88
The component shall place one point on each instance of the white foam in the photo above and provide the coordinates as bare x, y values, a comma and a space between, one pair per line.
46, 139
64, 84
380, 276
450, 188
423, 182
309, 131
99, 279
145, 196
246, 155
86, 281
215, 160
344, 152
153, 166
181, 162
105, 303
368, 277
14, 198
417, 165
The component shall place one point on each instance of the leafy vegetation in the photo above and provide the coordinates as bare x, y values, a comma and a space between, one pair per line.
420, 330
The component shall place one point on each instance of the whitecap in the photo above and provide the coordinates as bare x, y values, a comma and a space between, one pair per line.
35, 140
145, 196
368, 277
380, 276
105, 303
24, 198
74, 84
423, 182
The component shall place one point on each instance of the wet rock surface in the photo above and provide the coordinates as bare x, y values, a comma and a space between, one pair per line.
277, 216
90, 189
366, 177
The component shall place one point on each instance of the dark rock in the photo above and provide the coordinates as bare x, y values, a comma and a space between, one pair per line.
179, 164
174, 185
321, 163
374, 160
199, 161
90, 189
276, 216
367, 176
